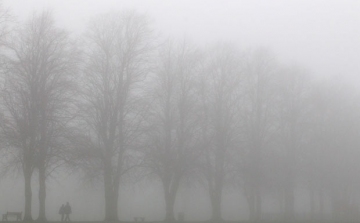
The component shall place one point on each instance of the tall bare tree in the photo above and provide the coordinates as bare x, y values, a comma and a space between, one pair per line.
294, 90
257, 114
37, 95
117, 63
219, 91
172, 119
321, 104
335, 138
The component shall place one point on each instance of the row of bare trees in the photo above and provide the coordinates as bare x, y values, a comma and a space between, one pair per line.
117, 102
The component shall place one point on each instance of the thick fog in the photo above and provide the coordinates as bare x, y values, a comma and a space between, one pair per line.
195, 110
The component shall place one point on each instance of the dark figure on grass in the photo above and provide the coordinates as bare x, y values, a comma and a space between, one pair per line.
62, 212
67, 211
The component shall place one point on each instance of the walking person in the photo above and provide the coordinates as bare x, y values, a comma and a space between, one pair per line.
67, 211
62, 211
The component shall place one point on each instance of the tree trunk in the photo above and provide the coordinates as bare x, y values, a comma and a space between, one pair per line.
171, 186
111, 196
28, 194
169, 202
290, 177
289, 203
42, 194
312, 203
216, 206
111, 205
280, 196
218, 180
250, 198
321, 202
289, 189
215, 198
255, 177
258, 204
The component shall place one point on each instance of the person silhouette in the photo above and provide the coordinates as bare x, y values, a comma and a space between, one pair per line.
67, 211
62, 211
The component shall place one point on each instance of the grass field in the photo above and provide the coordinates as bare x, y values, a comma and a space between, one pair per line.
264, 221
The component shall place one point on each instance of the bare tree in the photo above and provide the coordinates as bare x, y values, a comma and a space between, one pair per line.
220, 99
257, 114
321, 103
335, 138
117, 63
172, 119
36, 99
6, 24
294, 90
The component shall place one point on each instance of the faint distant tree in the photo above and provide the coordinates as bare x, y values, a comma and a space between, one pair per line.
335, 132
118, 47
321, 104
6, 24
293, 109
170, 151
6, 28
257, 113
219, 91
36, 100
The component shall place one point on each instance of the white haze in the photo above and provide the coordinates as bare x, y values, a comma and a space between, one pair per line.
321, 35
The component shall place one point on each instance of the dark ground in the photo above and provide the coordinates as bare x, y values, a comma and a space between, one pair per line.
313, 221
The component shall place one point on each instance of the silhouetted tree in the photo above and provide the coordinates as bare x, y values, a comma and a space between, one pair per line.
335, 132
37, 96
220, 99
294, 108
170, 152
321, 104
257, 113
118, 53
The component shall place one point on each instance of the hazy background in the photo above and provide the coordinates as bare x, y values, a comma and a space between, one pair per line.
322, 36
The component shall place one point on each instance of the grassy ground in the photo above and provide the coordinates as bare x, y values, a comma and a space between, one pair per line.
312, 221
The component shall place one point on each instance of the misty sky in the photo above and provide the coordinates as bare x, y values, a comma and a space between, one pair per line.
322, 36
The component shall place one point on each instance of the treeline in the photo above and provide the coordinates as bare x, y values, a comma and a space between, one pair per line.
118, 102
